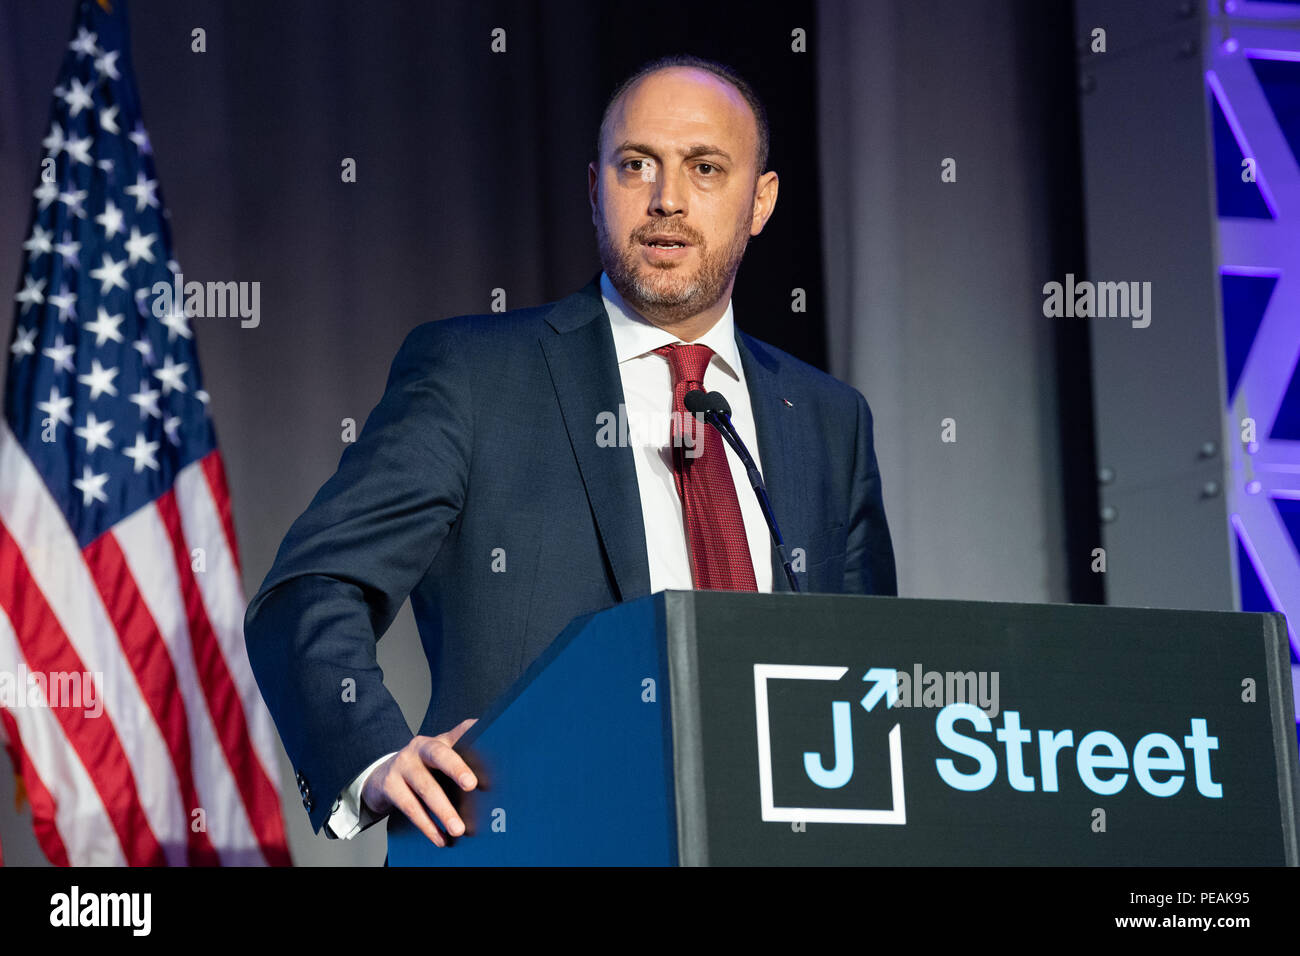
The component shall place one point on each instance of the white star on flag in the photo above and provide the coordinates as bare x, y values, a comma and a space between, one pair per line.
79, 150
54, 141
137, 247
78, 98
177, 322
106, 63
143, 191
105, 327
99, 379
39, 243
91, 486
84, 44
141, 139
24, 342
108, 120
60, 354
145, 348
73, 200
170, 375
64, 302
33, 293
46, 193
147, 399
142, 453
110, 219
69, 249
56, 409
110, 275
95, 433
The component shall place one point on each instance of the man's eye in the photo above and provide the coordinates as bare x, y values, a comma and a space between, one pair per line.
629, 165
707, 168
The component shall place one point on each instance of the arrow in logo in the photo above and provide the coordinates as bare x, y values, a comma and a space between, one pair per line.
886, 679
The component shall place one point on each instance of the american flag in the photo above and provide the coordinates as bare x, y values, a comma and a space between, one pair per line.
119, 573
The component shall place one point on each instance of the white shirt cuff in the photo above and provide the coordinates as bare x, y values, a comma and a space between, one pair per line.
350, 814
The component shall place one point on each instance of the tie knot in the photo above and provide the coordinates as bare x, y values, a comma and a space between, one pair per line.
688, 362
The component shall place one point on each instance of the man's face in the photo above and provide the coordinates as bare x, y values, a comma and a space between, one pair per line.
676, 196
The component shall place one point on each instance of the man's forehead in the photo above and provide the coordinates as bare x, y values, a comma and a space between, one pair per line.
682, 99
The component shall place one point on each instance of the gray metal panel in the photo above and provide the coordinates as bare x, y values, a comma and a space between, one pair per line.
1157, 390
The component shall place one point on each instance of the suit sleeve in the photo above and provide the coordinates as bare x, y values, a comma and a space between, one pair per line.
869, 550
349, 562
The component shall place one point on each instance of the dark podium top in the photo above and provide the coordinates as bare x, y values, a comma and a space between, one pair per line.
722, 728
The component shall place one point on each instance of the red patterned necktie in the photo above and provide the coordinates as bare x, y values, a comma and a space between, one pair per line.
715, 532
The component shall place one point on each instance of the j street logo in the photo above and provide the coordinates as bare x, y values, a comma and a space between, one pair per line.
847, 783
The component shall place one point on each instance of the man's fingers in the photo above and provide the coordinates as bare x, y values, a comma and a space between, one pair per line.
422, 782
458, 731
406, 801
436, 752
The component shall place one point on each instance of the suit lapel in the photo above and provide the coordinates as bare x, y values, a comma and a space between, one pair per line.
584, 372
777, 445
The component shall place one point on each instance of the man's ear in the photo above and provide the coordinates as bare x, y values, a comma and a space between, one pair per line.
593, 188
765, 190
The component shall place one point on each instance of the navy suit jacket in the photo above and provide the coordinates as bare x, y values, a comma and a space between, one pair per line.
485, 439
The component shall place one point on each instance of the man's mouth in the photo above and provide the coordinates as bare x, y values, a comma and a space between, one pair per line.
665, 242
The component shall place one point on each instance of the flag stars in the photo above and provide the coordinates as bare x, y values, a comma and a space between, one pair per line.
46, 193
84, 44
177, 323
53, 142
95, 433
145, 348
170, 375
105, 327
144, 192
99, 380
24, 342
33, 293
73, 199
39, 243
110, 275
110, 219
141, 139
142, 453
91, 486
137, 247
108, 119
60, 355
171, 427
79, 150
78, 97
65, 302
106, 64
69, 249
56, 409
147, 399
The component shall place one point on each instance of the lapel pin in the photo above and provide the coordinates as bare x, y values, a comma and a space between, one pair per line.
788, 403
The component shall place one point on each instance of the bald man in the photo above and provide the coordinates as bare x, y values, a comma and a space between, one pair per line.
582, 483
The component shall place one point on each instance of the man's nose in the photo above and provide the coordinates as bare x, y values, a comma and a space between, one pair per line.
668, 195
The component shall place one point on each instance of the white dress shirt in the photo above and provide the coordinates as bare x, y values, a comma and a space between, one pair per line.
648, 403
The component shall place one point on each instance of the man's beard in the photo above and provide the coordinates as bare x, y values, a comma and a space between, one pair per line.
670, 294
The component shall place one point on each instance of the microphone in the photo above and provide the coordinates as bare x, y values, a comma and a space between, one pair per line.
717, 412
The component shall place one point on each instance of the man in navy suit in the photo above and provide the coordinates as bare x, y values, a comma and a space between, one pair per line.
528, 467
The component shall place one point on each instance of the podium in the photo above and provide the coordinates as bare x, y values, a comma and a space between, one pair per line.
724, 728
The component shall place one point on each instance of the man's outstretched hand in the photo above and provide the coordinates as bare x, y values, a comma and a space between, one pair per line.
405, 781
